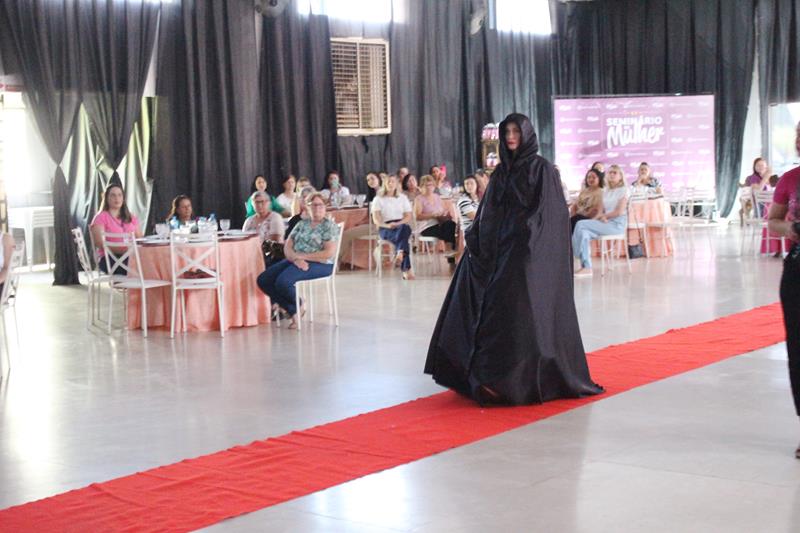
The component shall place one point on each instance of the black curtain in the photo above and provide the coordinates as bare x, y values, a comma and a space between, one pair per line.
660, 46
297, 97
521, 79
436, 99
208, 115
116, 40
44, 35
778, 23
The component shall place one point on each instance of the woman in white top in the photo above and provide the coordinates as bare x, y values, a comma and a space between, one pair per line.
286, 198
391, 212
613, 220
333, 191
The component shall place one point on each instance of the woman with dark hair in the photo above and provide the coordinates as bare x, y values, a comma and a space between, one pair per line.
334, 191
373, 186
286, 198
784, 220
113, 217
181, 210
590, 200
410, 187
645, 180
260, 185
508, 331
759, 179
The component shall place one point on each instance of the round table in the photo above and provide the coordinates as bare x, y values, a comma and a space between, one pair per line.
245, 305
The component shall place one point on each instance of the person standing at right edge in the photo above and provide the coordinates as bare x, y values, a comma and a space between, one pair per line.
787, 202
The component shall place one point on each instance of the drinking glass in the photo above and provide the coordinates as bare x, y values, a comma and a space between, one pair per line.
162, 230
225, 224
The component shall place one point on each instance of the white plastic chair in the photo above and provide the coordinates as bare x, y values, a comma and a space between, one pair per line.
633, 221
125, 273
199, 253
610, 243
762, 201
371, 236
8, 296
307, 288
94, 278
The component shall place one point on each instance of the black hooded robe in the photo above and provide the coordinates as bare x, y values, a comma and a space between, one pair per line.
508, 322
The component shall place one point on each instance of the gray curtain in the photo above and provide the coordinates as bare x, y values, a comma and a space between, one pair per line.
44, 35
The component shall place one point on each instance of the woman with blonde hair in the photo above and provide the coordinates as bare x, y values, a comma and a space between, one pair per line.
433, 219
391, 212
613, 219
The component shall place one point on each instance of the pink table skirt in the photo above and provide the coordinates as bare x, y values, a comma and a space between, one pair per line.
245, 304
647, 212
772, 245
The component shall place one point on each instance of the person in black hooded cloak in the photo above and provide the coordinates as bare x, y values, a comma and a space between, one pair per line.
508, 331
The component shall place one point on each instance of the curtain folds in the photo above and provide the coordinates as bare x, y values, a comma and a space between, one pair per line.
299, 116
44, 36
209, 133
116, 40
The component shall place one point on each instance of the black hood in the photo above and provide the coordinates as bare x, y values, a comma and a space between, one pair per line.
528, 146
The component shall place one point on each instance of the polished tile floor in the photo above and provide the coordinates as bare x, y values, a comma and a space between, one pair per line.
710, 450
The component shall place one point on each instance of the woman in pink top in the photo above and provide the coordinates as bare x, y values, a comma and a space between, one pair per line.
113, 217
433, 219
784, 219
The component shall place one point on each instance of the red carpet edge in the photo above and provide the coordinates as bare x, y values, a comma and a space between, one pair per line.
205, 490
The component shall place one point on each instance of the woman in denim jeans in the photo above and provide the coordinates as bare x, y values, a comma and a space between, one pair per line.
391, 212
309, 255
613, 221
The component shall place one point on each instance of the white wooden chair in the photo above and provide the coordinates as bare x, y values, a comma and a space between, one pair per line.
633, 221
306, 287
195, 265
610, 247
125, 274
762, 201
371, 237
94, 278
8, 296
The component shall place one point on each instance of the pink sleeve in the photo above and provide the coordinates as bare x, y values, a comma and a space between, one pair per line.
783, 191
133, 225
101, 219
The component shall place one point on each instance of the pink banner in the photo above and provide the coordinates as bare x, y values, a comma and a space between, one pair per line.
674, 134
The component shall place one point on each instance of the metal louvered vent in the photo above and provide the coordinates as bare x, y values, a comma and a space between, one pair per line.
361, 85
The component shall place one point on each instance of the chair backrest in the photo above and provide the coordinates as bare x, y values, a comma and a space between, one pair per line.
763, 199
122, 254
196, 252
83, 253
340, 225
9, 294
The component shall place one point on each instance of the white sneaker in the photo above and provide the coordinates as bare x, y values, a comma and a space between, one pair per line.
584, 273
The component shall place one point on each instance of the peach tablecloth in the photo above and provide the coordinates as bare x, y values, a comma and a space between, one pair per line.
245, 304
644, 212
351, 217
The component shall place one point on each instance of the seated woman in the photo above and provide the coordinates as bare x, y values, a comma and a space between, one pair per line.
309, 255
589, 204
612, 221
373, 186
333, 191
267, 223
468, 203
286, 198
181, 212
6, 249
302, 183
300, 210
260, 185
391, 212
410, 187
113, 217
645, 180
433, 219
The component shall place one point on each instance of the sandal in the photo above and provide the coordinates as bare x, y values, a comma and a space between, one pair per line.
408, 275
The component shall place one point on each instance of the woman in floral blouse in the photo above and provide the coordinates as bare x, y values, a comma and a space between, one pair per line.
309, 250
